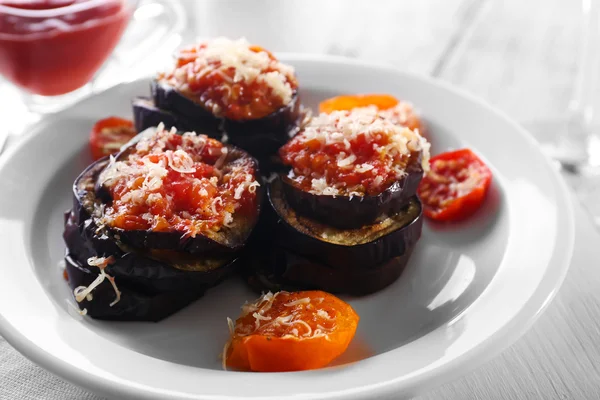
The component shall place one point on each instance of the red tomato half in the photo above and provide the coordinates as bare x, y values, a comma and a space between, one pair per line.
109, 134
455, 186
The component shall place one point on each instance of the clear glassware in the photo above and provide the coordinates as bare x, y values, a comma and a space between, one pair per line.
55, 51
574, 140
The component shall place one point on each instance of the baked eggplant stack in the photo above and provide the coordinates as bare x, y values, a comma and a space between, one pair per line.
345, 217
154, 227
227, 89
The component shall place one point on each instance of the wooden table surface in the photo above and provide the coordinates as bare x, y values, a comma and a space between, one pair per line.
518, 55
521, 57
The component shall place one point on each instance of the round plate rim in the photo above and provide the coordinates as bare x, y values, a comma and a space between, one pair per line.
490, 347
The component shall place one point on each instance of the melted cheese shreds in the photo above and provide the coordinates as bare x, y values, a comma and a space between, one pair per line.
278, 83
115, 288
222, 54
400, 114
230, 325
320, 185
82, 292
345, 162
224, 355
363, 168
344, 129
180, 161
143, 183
100, 262
250, 184
264, 304
304, 300
325, 315
259, 317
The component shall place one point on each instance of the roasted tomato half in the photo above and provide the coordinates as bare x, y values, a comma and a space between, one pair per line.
109, 134
349, 102
290, 331
399, 112
455, 186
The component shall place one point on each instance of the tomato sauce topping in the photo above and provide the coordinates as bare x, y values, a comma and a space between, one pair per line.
352, 153
233, 79
182, 183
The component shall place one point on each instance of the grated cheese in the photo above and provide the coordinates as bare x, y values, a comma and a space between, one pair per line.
82, 292
345, 162
180, 161
156, 157
259, 317
325, 315
224, 355
304, 300
363, 168
365, 125
221, 55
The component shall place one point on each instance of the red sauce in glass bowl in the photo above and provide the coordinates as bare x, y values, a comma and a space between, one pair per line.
53, 47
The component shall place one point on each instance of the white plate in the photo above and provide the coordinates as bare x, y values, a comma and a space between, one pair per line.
469, 291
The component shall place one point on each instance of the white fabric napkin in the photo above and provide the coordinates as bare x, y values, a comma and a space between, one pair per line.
20, 379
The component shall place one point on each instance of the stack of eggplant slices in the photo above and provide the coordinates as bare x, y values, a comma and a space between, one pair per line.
223, 171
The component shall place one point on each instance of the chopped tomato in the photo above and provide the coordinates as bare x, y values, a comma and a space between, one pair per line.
207, 78
290, 332
109, 134
172, 182
347, 153
349, 102
455, 187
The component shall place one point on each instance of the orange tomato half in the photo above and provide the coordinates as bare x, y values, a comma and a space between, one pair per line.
399, 112
348, 102
290, 332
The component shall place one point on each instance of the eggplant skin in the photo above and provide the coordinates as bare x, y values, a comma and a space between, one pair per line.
139, 270
150, 289
168, 99
133, 305
147, 115
280, 269
363, 248
260, 137
349, 212
153, 285
227, 241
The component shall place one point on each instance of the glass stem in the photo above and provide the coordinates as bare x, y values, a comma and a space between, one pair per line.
574, 142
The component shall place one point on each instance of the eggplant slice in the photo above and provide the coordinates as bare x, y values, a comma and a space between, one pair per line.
150, 289
228, 239
280, 269
350, 212
291, 252
147, 115
153, 283
147, 272
260, 137
133, 305
363, 248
